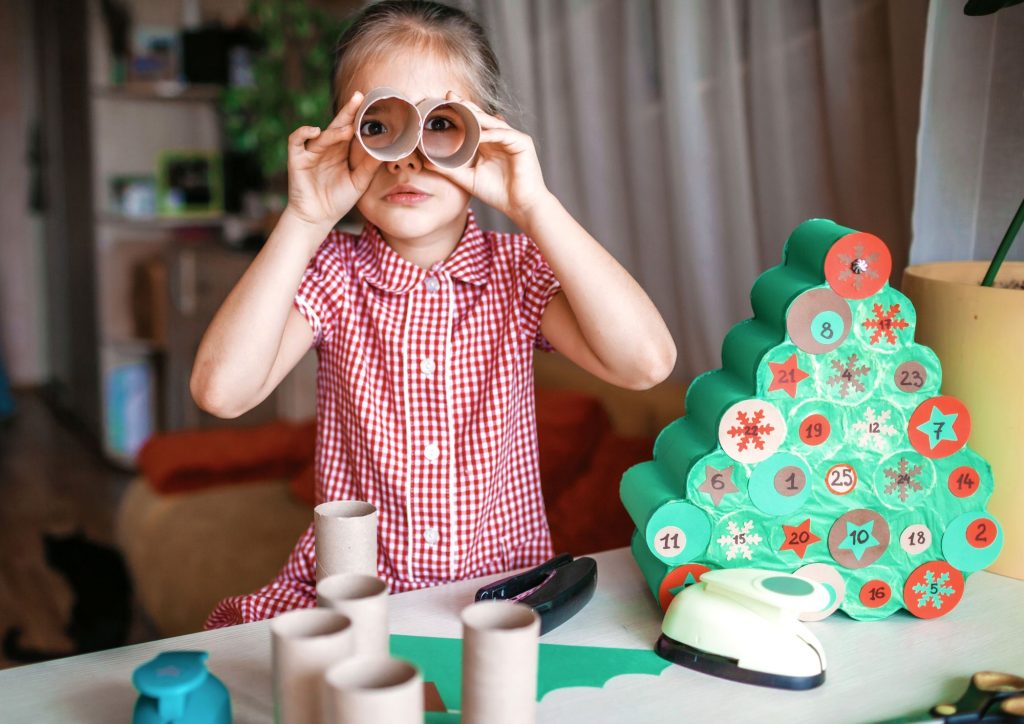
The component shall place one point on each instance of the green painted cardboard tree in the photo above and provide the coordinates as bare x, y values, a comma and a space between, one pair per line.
822, 446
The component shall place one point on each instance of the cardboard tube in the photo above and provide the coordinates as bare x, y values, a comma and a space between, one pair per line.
304, 644
364, 599
436, 152
346, 538
400, 117
373, 690
499, 663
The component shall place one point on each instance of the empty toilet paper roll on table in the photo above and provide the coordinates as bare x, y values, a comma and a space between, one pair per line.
304, 644
373, 690
500, 648
364, 600
346, 538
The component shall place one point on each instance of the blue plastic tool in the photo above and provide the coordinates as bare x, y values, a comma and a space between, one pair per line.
177, 688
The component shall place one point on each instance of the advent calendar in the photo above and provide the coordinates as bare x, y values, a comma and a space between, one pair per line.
822, 446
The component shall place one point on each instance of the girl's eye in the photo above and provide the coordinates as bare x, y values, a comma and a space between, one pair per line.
372, 128
439, 123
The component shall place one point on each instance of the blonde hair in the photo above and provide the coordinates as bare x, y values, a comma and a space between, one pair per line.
426, 26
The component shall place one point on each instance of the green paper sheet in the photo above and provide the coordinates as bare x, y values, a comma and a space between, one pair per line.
560, 666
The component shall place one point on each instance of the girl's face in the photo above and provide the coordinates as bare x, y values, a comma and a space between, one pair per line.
433, 204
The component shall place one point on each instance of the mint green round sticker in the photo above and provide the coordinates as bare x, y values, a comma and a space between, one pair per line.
788, 585
827, 327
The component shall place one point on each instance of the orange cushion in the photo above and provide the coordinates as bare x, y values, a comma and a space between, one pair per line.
589, 516
569, 426
194, 459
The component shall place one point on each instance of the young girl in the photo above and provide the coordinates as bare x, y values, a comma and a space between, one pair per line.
424, 324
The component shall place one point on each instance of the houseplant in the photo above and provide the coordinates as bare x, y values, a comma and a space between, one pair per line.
974, 321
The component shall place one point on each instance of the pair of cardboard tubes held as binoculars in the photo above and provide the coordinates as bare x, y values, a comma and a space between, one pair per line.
389, 127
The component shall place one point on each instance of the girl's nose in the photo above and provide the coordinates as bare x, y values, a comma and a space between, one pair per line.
412, 162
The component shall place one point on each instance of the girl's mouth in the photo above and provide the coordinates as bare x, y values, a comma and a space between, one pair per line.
405, 194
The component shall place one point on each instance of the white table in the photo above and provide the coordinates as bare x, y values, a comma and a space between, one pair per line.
876, 670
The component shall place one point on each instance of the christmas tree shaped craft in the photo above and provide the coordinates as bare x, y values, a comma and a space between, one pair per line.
823, 446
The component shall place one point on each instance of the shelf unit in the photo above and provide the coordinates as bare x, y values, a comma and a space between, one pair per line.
143, 380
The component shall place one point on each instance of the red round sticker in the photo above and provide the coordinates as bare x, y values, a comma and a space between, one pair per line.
939, 427
933, 589
677, 579
982, 533
876, 593
815, 429
964, 481
858, 265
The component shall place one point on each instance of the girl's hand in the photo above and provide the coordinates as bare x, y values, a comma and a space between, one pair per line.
506, 174
321, 186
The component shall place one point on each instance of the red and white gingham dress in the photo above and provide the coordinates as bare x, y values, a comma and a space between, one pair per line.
425, 408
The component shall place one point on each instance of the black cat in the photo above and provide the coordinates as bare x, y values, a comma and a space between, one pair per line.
102, 594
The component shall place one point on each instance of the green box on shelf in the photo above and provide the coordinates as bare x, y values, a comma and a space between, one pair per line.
822, 445
190, 183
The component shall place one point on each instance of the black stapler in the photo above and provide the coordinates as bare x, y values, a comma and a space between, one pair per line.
556, 589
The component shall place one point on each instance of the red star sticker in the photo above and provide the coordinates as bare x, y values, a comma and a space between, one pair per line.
786, 375
798, 537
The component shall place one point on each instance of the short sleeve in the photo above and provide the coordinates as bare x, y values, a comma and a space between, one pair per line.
321, 289
540, 287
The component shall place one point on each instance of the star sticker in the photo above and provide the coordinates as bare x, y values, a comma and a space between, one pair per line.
859, 538
786, 375
798, 537
939, 427
718, 483
690, 580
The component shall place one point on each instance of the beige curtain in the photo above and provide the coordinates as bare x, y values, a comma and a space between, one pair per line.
691, 136
970, 176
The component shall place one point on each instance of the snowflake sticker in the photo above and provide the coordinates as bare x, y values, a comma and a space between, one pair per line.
751, 431
933, 589
904, 479
738, 540
885, 323
847, 374
874, 430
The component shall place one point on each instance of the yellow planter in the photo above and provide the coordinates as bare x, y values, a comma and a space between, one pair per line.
978, 334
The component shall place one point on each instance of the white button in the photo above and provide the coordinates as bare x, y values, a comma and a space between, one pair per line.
431, 536
432, 452
427, 367
431, 284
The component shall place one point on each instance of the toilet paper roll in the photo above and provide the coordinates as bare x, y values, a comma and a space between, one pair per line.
393, 124
346, 538
499, 663
457, 143
304, 644
373, 690
364, 599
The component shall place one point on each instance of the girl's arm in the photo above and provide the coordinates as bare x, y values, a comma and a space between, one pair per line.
257, 336
604, 321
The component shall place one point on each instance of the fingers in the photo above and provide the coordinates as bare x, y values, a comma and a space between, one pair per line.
298, 138
347, 114
362, 173
485, 119
330, 137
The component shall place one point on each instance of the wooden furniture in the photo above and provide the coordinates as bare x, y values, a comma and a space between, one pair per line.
876, 671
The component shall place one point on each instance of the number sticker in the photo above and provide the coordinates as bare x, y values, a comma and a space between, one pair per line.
826, 327
858, 538
670, 541
790, 480
964, 481
910, 376
815, 430
678, 579
939, 427
875, 594
818, 321
981, 533
841, 479
916, 539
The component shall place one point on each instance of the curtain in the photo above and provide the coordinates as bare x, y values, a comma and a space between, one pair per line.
970, 175
691, 136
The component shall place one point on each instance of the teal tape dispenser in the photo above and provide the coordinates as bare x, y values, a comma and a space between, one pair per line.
177, 688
